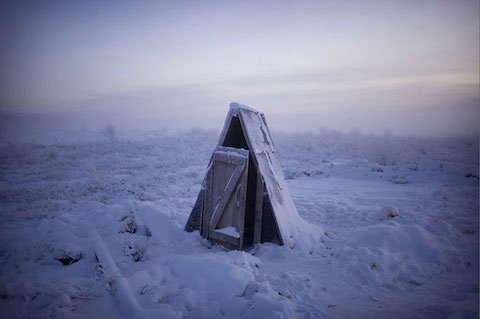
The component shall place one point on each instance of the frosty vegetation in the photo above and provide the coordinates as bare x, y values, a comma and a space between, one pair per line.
137, 190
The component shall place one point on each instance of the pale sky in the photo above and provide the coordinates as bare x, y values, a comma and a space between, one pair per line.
410, 66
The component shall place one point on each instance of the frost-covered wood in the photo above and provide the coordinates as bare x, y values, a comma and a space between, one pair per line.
257, 232
268, 205
226, 196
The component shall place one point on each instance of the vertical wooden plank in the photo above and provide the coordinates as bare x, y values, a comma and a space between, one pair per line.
207, 206
242, 201
222, 172
257, 228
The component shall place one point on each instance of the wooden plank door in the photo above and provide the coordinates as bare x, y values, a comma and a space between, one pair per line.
225, 197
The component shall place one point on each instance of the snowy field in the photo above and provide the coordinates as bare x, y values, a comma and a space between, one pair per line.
65, 197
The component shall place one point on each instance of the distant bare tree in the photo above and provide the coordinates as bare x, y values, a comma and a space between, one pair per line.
110, 132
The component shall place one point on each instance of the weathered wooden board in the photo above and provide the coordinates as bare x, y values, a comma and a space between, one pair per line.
225, 195
257, 230
275, 217
207, 204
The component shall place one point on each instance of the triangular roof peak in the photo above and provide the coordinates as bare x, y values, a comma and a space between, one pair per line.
234, 106
250, 131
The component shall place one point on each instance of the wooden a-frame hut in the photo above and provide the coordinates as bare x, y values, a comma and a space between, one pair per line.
244, 199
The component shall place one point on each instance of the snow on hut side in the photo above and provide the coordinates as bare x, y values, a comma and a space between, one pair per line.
244, 199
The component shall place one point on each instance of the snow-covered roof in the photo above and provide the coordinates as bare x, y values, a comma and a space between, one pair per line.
293, 230
235, 107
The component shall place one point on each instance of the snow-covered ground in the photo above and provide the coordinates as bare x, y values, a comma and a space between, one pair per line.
126, 198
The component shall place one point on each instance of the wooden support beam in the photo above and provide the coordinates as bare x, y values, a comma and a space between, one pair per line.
257, 228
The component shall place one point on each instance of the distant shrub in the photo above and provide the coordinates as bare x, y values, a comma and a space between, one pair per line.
110, 132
